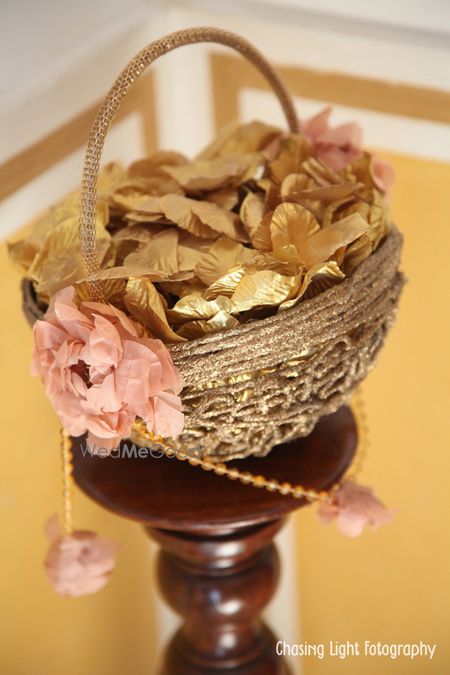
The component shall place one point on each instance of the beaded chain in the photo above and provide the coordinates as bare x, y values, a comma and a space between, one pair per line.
67, 481
221, 469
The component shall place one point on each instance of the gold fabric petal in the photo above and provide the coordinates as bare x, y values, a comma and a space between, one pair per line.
145, 304
224, 254
264, 288
292, 153
357, 252
321, 246
292, 224
317, 279
157, 255
227, 284
193, 307
211, 174
236, 139
220, 322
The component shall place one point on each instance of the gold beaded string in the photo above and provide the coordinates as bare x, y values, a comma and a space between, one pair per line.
359, 410
259, 481
232, 473
67, 483
220, 468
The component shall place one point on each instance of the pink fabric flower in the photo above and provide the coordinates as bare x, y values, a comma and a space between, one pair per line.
354, 507
100, 372
79, 563
383, 174
337, 146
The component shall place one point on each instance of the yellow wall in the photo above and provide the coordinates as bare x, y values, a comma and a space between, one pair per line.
390, 585
393, 585
41, 633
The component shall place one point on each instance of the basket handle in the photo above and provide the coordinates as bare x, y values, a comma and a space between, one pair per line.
112, 102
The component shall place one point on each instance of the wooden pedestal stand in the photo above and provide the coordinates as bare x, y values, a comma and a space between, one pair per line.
218, 566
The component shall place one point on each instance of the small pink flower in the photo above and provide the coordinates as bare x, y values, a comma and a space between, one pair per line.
79, 563
382, 173
355, 507
100, 373
337, 146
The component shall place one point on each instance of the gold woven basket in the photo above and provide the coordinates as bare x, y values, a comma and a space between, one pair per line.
268, 381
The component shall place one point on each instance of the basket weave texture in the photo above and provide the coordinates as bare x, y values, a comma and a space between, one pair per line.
269, 381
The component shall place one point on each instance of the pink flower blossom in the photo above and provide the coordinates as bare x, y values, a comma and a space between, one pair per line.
335, 146
79, 563
354, 507
100, 372
382, 173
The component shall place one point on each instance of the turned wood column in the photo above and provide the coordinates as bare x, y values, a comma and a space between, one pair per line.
219, 586
218, 567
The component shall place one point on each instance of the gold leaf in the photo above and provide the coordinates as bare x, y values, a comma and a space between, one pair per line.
292, 152
321, 173
193, 307
111, 175
227, 284
140, 202
157, 185
191, 250
58, 263
212, 174
244, 138
264, 288
356, 253
320, 246
295, 182
195, 329
317, 279
137, 232
204, 219
113, 289
226, 198
145, 304
256, 221
157, 255
148, 166
330, 212
325, 195
292, 224
182, 288
224, 254
22, 253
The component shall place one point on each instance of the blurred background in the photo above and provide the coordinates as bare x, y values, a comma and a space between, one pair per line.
385, 65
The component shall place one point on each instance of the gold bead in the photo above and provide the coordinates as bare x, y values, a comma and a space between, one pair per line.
233, 474
285, 489
246, 478
298, 492
272, 485
220, 469
259, 481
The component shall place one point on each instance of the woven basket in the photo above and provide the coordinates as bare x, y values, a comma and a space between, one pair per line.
267, 381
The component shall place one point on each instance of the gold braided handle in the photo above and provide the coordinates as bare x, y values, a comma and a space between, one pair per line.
112, 102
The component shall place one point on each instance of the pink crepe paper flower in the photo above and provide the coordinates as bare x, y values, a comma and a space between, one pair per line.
382, 173
100, 372
79, 563
339, 146
335, 146
354, 507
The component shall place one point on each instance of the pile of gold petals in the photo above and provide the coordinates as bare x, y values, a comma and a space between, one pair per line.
252, 226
